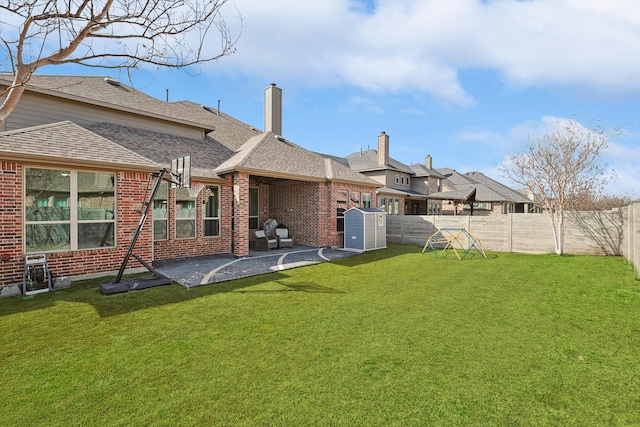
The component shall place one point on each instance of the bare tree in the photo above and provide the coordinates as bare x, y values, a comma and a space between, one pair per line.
120, 34
559, 168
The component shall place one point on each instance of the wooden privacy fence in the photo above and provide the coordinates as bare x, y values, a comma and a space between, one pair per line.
614, 232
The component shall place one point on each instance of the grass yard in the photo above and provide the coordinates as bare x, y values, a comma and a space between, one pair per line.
386, 338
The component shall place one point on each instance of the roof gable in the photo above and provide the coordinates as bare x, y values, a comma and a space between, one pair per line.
273, 155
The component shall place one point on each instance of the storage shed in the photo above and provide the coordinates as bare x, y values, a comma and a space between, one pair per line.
365, 229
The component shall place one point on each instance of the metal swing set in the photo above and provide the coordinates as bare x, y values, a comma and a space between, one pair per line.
457, 240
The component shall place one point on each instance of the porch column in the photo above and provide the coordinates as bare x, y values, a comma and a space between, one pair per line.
241, 214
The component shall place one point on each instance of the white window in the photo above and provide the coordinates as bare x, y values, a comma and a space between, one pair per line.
68, 210
397, 179
211, 211
160, 213
185, 214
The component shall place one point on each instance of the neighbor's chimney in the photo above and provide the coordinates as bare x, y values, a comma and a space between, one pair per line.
428, 161
383, 149
273, 109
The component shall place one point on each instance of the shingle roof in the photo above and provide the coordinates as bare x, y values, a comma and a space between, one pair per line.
404, 193
161, 148
109, 93
368, 161
508, 193
463, 193
229, 145
271, 154
488, 190
421, 170
67, 143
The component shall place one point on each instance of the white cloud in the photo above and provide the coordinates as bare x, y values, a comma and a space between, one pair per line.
417, 45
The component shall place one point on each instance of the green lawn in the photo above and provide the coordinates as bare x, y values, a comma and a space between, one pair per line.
386, 338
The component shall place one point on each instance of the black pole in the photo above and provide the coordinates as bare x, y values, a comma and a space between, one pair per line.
143, 217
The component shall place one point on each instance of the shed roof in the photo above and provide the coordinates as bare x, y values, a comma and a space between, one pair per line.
366, 210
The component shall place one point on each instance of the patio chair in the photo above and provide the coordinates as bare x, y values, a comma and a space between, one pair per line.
264, 243
284, 240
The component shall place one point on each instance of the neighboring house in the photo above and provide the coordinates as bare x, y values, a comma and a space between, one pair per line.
426, 181
76, 158
420, 189
397, 194
474, 193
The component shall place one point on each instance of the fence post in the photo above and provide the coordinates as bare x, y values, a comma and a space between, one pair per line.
634, 237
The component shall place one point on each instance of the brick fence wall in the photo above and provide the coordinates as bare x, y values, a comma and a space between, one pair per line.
614, 232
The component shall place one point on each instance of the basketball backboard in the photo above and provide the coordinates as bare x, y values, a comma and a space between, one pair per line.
181, 172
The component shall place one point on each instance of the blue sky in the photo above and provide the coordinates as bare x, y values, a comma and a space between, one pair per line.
465, 81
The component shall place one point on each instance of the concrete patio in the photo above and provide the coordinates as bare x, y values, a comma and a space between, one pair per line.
196, 271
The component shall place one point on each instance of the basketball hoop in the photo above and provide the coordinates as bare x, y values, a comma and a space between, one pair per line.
195, 189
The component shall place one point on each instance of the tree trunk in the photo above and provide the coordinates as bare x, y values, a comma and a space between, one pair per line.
13, 96
557, 225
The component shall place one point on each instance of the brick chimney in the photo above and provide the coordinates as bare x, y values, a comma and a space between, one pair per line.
273, 109
383, 149
428, 161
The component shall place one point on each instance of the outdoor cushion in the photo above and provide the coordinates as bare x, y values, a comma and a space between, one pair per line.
264, 243
284, 240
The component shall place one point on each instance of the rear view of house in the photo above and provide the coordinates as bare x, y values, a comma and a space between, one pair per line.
76, 160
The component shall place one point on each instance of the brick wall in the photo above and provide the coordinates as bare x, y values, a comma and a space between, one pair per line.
131, 188
10, 223
295, 205
199, 245
241, 213
308, 209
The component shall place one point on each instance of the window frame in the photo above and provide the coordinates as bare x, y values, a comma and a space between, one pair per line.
73, 205
165, 218
256, 217
192, 219
215, 189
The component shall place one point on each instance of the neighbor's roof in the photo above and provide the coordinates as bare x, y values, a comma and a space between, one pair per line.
507, 192
271, 154
364, 161
66, 143
464, 194
487, 189
421, 170
404, 193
